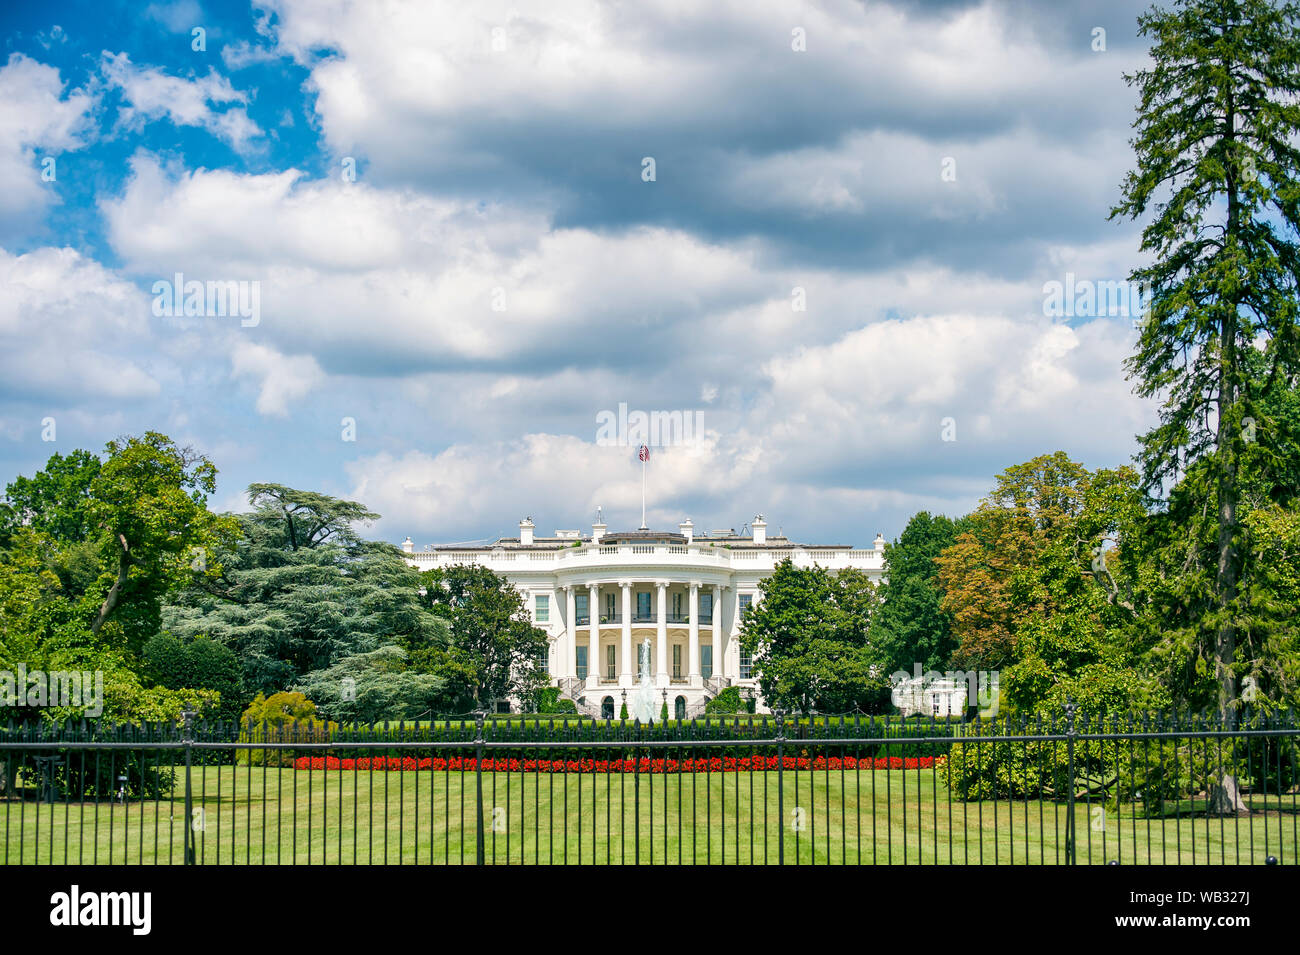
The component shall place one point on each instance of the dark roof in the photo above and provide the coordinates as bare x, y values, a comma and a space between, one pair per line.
635, 536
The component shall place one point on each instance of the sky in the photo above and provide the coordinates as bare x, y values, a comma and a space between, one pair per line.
835, 236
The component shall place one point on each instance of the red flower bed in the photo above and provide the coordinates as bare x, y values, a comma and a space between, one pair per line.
717, 764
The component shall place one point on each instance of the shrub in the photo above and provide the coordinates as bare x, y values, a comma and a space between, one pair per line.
280, 717
549, 701
199, 664
729, 701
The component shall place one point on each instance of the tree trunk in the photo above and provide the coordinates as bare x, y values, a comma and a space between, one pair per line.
114, 592
1225, 798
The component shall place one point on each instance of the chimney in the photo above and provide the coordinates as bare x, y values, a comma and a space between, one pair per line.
879, 543
526, 531
598, 530
760, 529
407, 546
687, 529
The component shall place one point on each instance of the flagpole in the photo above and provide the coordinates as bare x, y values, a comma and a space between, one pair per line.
642, 493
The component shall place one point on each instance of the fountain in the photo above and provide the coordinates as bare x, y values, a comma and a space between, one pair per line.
643, 705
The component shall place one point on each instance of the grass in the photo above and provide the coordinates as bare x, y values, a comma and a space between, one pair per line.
269, 815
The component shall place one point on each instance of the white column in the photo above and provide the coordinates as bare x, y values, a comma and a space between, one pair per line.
715, 631
594, 663
627, 673
695, 634
570, 633
661, 636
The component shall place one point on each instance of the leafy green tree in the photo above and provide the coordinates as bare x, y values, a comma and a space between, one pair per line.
121, 533
494, 651
373, 687
808, 640
148, 501
308, 518
1029, 505
1040, 587
911, 626
43, 630
55, 501
1216, 173
301, 590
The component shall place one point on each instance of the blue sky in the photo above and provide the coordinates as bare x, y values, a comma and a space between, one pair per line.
839, 263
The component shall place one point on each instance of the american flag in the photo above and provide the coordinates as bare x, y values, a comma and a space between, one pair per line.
643, 453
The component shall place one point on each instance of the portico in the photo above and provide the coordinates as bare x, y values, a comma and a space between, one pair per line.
686, 642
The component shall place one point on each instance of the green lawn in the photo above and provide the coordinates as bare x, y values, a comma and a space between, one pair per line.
872, 816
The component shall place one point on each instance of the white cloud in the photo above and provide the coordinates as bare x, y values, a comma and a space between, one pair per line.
280, 379
242, 54
71, 330
181, 16
151, 94
390, 278
37, 120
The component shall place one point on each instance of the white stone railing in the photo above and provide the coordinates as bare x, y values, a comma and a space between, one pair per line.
598, 554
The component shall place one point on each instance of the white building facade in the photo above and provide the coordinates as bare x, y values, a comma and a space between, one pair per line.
601, 597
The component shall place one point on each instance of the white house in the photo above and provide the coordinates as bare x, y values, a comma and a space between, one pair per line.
601, 596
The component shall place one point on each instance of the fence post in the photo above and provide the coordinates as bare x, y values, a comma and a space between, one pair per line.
187, 737
636, 798
780, 787
1070, 841
480, 857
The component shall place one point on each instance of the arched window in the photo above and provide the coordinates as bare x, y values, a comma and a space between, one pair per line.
607, 708
679, 707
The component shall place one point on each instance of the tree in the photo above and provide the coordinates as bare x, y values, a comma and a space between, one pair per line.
371, 687
300, 591
911, 626
148, 502
1029, 504
1217, 166
808, 640
42, 629
494, 650
1040, 587
309, 518
55, 501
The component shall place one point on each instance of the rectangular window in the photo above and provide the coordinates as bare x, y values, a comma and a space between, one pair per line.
706, 661
580, 609
677, 606
746, 665
643, 605
610, 661
611, 609
542, 608
706, 608
582, 663
746, 600
677, 661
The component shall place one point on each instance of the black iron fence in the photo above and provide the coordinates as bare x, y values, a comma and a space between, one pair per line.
1072, 789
